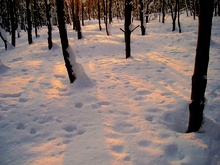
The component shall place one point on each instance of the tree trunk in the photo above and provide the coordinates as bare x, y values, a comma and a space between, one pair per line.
29, 23
110, 11
142, 17
73, 15
35, 18
99, 15
163, 11
64, 39
174, 16
50, 44
128, 8
78, 26
178, 11
13, 28
199, 78
82, 14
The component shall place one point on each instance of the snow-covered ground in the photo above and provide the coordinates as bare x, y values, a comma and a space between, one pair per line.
121, 112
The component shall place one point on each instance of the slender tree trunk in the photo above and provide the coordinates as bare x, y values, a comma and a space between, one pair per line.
13, 28
73, 15
64, 39
163, 11
35, 18
78, 26
110, 11
50, 44
128, 8
178, 11
147, 12
174, 16
186, 7
82, 14
142, 17
99, 15
29, 22
199, 78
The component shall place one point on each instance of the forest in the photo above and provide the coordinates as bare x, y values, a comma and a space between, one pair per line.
109, 82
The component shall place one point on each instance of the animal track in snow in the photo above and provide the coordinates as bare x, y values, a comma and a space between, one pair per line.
117, 148
20, 126
172, 151
69, 128
78, 105
143, 143
125, 127
143, 92
33, 131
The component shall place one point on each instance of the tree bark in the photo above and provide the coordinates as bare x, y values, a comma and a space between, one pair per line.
128, 8
64, 39
178, 11
78, 26
142, 17
99, 15
82, 14
13, 28
163, 11
199, 78
35, 18
29, 22
174, 16
73, 15
110, 11
50, 44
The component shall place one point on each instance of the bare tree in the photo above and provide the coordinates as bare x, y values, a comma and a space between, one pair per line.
29, 22
199, 78
64, 39
49, 25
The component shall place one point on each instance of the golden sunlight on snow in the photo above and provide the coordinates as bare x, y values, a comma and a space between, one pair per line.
49, 153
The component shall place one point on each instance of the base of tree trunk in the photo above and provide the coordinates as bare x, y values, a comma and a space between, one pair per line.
195, 116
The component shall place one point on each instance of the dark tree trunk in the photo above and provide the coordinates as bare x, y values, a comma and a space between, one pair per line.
163, 11
128, 8
142, 17
50, 44
89, 11
110, 11
35, 18
199, 78
13, 28
99, 15
78, 26
105, 16
73, 15
147, 12
64, 39
82, 14
178, 11
29, 23
174, 16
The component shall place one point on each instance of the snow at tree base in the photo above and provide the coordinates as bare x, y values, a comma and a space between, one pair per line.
119, 111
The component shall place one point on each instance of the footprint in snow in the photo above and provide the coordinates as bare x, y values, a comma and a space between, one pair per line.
20, 126
117, 148
173, 152
125, 127
78, 105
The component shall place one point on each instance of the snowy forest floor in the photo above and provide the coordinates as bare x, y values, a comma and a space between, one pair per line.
132, 111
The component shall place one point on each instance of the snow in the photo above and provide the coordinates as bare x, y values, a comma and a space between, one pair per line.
119, 111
